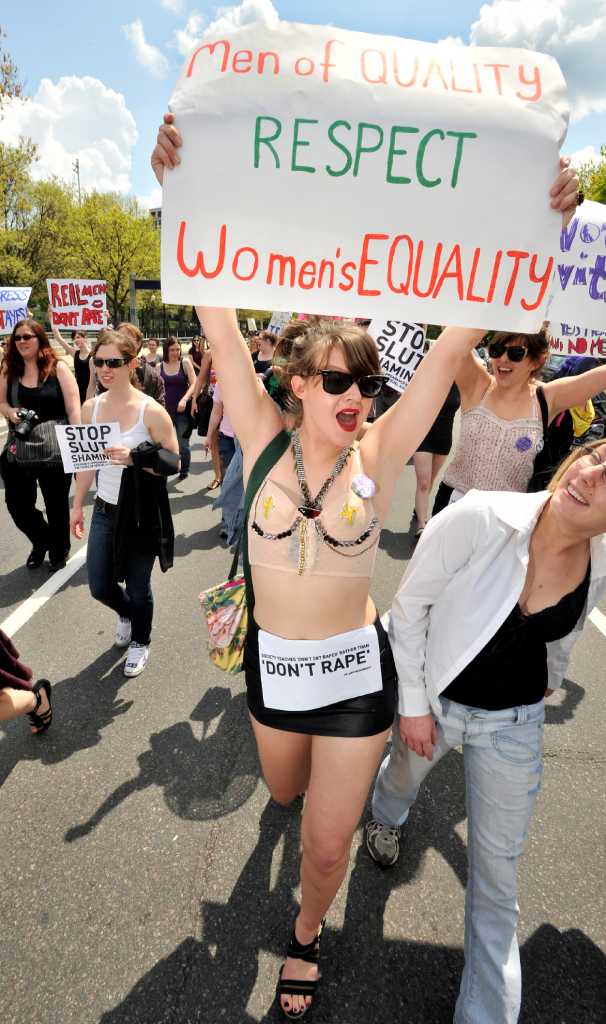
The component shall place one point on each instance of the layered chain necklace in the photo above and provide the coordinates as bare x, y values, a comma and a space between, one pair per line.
307, 531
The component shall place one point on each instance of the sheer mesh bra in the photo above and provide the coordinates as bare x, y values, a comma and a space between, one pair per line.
348, 522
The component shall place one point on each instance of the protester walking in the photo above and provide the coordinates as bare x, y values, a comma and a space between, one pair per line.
37, 391
179, 385
533, 566
131, 524
146, 377
318, 501
152, 357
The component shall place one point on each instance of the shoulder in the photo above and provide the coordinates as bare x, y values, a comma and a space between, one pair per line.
155, 413
62, 371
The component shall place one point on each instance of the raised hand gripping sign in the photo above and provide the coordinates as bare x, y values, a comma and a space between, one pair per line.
366, 175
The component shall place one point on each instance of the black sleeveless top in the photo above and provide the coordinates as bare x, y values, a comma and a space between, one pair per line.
511, 669
82, 372
46, 400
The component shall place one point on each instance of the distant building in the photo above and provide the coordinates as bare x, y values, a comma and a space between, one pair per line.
156, 215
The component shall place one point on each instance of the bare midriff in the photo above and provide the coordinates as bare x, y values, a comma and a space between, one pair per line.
310, 607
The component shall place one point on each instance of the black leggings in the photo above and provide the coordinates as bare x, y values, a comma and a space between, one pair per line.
21, 490
358, 716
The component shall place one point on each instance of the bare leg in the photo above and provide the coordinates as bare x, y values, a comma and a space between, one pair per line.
423, 466
14, 703
215, 457
285, 761
342, 770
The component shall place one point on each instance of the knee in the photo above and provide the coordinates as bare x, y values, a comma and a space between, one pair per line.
325, 850
99, 590
423, 484
283, 796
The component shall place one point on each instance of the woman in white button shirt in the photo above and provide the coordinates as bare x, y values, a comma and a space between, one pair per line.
482, 627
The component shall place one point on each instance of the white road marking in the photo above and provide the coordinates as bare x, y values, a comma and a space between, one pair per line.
599, 620
33, 604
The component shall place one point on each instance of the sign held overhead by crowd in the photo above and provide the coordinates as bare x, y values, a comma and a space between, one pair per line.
78, 304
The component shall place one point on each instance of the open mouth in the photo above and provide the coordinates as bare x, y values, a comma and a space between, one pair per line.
574, 494
348, 419
504, 370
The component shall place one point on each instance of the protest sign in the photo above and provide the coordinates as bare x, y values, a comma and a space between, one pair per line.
278, 322
579, 287
251, 323
13, 307
364, 175
79, 305
572, 340
83, 446
401, 348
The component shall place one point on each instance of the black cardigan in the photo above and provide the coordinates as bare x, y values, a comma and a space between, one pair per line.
143, 520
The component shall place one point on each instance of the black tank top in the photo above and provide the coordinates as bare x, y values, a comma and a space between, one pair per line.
46, 400
511, 670
82, 372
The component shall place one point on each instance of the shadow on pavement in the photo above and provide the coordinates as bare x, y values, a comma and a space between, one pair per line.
202, 779
83, 706
365, 977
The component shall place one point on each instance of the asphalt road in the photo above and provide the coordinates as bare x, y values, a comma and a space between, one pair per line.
149, 879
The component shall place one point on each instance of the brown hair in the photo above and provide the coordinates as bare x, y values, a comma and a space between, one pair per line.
304, 346
576, 453
167, 344
134, 333
13, 365
537, 345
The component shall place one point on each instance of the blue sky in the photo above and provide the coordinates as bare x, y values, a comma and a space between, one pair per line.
111, 66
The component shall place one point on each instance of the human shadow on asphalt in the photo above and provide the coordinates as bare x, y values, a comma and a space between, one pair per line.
398, 545
83, 705
201, 779
364, 976
204, 540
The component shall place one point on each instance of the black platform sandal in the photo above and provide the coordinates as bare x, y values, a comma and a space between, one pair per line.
41, 722
292, 987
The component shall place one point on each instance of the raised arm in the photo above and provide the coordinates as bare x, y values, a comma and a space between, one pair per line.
70, 349
472, 379
394, 437
568, 391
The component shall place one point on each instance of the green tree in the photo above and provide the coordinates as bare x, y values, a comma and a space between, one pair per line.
111, 239
46, 242
592, 177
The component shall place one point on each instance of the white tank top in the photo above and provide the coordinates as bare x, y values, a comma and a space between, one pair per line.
108, 480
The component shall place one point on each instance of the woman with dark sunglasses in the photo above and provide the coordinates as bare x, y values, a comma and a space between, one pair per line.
34, 383
131, 522
501, 415
320, 675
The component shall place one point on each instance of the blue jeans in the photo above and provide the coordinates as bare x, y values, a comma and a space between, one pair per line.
503, 754
135, 601
181, 423
231, 498
227, 447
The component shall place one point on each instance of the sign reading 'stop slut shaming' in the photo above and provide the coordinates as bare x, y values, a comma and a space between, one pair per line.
366, 175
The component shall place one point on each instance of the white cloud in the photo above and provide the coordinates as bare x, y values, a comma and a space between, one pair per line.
249, 12
176, 6
152, 200
246, 13
587, 155
76, 117
185, 39
148, 56
572, 31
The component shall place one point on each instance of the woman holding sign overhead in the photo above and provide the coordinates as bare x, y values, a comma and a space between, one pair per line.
131, 522
36, 391
320, 675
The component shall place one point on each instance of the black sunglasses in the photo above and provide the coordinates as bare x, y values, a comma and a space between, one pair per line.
336, 382
24, 337
112, 364
515, 353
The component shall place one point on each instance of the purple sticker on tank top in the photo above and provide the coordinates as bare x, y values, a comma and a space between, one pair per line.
523, 443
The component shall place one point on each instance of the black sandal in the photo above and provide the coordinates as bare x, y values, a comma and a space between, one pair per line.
43, 721
292, 987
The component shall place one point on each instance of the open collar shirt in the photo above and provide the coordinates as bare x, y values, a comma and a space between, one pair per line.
466, 576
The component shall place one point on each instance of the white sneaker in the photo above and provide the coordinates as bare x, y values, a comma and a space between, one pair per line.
123, 632
136, 659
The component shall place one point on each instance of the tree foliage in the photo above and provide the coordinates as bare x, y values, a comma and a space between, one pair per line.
593, 178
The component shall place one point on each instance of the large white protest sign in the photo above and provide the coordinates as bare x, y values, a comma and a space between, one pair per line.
278, 322
579, 290
573, 340
78, 304
13, 307
362, 175
401, 348
83, 446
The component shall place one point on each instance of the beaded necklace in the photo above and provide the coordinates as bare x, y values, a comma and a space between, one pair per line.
309, 514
